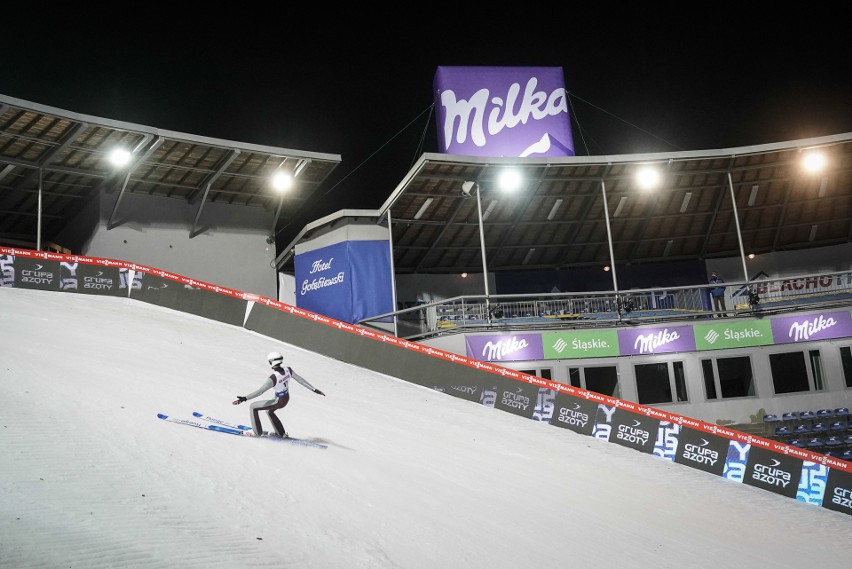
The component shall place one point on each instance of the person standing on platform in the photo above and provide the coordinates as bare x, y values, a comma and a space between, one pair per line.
717, 293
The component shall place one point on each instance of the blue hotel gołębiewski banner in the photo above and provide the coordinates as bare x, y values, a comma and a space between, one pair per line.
347, 281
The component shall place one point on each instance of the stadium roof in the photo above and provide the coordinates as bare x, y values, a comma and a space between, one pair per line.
66, 154
558, 218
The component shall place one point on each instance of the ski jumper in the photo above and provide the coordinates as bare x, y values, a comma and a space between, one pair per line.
279, 381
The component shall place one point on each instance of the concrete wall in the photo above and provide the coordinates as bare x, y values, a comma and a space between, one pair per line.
347, 229
422, 369
231, 251
287, 289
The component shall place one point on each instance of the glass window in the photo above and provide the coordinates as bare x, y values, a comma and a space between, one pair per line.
656, 382
602, 379
846, 364
735, 377
652, 383
680, 381
574, 377
789, 372
816, 370
709, 379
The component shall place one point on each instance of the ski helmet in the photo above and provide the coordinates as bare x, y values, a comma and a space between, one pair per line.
275, 359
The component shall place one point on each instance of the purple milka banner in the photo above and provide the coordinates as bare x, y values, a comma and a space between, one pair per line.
656, 340
505, 348
811, 327
502, 111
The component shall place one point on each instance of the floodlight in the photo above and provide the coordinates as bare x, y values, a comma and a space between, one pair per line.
647, 177
282, 181
509, 179
814, 161
119, 157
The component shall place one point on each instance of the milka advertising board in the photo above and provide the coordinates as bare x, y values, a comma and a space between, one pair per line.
347, 281
502, 111
824, 326
656, 340
505, 347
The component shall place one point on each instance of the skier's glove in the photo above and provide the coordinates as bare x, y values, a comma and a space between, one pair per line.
240, 399
318, 391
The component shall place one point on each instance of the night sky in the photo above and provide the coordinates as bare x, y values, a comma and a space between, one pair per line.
659, 81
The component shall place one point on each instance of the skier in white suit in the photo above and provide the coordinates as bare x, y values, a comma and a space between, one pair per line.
280, 382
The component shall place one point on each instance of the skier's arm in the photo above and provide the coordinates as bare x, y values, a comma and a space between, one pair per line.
304, 382
269, 383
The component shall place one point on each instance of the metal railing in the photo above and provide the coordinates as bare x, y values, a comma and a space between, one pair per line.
608, 308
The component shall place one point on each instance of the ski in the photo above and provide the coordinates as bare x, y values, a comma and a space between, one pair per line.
217, 428
240, 429
210, 419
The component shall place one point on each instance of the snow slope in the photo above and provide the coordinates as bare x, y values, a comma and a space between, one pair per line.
412, 478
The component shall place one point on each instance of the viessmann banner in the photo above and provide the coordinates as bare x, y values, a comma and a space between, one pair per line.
502, 111
578, 344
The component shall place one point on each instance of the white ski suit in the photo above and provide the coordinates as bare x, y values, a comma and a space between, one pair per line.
280, 382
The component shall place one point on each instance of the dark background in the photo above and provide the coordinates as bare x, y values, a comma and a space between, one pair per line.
358, 82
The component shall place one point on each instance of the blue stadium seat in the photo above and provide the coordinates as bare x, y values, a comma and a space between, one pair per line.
842, 415
769, 423
819, 428
815, 444
846, 455
782, 431
797, 443
833, 442
824, 414
789, 418
807, 416
801, 430
837, 428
